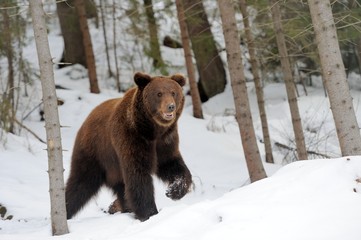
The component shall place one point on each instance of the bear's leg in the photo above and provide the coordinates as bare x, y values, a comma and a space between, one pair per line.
85, 180
176, 174
171, 167
115, 207
120, 203
139, 193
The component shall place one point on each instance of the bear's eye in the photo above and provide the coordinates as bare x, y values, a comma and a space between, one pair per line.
173, 94
159, 94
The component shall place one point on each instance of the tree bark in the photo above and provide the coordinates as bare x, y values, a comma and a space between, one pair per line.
52, 125
212, 76
10, 86
117, 75
288, 78
257, 82
358, 53
333, 72
88, 47
196, 100
155, 53
239, 87
70, 29
104, 27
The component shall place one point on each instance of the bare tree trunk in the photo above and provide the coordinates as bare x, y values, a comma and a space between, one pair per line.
70, 29
52, 125
333, 72
117, 76
196, 100
7, 100
257, 82
354, 4
155, 53
212, 76
110, 73
358, 53
88, 47
288, 78
239, 87
10, 96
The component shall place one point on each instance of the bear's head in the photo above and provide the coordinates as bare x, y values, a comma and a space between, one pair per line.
162, 96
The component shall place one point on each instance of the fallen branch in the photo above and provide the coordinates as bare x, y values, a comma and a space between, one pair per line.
280, 145
37, 106
29, 130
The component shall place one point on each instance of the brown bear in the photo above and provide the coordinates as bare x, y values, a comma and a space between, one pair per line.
124, 141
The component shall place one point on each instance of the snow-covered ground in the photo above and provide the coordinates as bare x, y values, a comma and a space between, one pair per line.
313, 199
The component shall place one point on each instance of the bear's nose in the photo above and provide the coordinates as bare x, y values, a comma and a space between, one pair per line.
171, 107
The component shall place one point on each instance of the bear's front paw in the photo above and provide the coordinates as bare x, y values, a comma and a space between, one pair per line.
178, 188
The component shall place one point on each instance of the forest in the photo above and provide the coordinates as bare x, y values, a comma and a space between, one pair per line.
270, 84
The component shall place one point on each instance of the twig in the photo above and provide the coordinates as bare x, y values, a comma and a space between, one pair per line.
280, 145
29, 130
37, 106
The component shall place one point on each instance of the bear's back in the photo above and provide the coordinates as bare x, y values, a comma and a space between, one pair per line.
94, 135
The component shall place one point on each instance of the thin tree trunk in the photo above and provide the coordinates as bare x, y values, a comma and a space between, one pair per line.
358, 53
52, 125
196, 100
24, 79
212, 76
110, 73
288, 78
155, 53
354, 4
333, 72
10, 59
239, 87
257, 82
117, 75
88, 47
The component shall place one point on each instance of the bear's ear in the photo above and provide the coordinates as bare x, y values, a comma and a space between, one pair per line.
179, 78
141, 79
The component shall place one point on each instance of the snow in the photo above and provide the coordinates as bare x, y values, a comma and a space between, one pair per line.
311, 199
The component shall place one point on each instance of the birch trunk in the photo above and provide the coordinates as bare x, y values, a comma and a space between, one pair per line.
196, 100
240, 95
52, 125
333, 72
288, 78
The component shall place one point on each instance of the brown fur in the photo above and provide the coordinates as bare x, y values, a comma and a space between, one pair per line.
124, 141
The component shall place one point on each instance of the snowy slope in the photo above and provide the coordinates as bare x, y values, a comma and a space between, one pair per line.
316, 199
